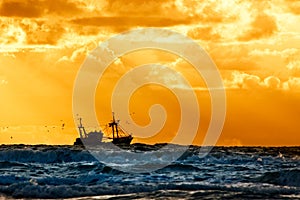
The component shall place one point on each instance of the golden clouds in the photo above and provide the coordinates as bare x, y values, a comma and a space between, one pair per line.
294, 6
233, 57
272, 82
20, 9
10, 34
41, 32
129, 22
294, 83
246, 81
48, 22
262, 26
29, 31
240, 80
143, 8
203, 33
255, 45
37, 8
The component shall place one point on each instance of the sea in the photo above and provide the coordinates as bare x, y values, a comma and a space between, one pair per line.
70, 172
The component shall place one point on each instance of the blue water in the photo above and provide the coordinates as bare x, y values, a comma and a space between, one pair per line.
225, 173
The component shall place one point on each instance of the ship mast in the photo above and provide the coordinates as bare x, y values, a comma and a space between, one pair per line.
82, 129
114, 126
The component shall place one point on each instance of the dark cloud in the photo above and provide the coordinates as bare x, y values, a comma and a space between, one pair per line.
141, 7
42, 32
27, 8
38, 8
263, 26
125, 21
202, 11
62, 8
87, 30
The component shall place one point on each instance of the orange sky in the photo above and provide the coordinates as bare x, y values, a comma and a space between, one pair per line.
255, 45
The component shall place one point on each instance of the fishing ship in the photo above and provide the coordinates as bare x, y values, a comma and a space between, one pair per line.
114, 132
91, 138
119, 136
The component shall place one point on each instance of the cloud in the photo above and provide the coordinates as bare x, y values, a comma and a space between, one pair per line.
27, 8
10, 33
77, 54
241, 80
168, 11
237, 63
203, 33
262, 26
30, 31
42, 32
293, 61
294, 65
38, 8
268, 52
211, 12
294, 6
61, 7
290, 57
195, 11
142, 7
127, 21
293, 84
233, 57
8, 54
251, 81
87, 30
272, 82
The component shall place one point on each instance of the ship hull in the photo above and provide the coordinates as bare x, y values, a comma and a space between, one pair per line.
87, 141
122, 140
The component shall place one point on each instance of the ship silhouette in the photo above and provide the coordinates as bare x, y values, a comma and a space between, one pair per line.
113, 132
119, 136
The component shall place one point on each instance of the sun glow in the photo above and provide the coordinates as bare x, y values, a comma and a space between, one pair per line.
91, 7
255, 45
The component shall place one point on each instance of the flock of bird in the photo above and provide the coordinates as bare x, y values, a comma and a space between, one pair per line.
49, 128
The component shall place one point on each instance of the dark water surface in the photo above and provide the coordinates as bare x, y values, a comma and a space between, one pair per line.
225, 173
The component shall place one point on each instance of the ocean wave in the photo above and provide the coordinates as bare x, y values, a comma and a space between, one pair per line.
70, 189
70, 172
221, 155
177, 167
282, 177
45, 155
